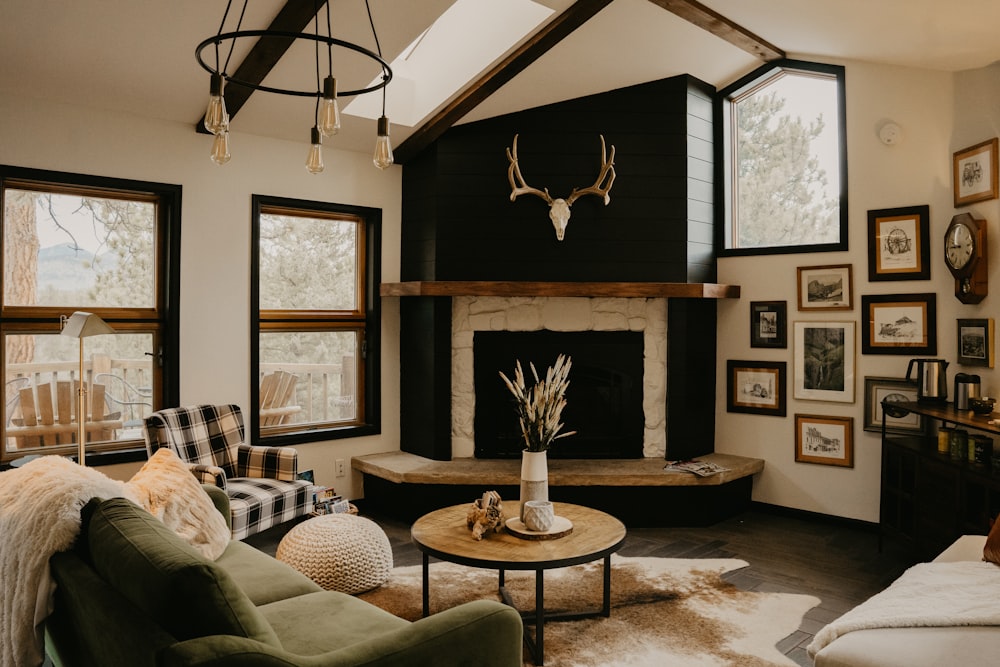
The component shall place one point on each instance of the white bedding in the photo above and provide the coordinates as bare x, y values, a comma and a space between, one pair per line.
962, 593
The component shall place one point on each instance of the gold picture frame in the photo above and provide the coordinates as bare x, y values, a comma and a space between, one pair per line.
825, 440
974, 172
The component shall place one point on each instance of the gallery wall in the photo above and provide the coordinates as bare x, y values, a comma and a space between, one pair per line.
939, 114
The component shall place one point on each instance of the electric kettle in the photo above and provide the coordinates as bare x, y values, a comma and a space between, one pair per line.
932, 385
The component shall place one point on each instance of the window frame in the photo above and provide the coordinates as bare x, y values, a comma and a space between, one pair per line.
161, 321
368, 420
725, 152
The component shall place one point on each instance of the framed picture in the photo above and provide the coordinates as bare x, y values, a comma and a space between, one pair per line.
824, 361
975, 342
898, 245
878, 389
825, 440
768, 324
825, 287
899, 324
757, 387
975, 173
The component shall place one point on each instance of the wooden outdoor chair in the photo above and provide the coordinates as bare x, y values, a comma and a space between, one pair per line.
46, 415
277, 392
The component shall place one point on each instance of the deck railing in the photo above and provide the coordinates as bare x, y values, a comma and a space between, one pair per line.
325, 392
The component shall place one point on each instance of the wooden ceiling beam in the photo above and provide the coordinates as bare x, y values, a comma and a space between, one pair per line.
717, 24
294, 16
554, 32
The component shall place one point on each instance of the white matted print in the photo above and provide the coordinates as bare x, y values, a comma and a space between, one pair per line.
824, 361
824, 440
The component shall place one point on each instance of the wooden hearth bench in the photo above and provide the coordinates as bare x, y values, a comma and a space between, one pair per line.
637, 491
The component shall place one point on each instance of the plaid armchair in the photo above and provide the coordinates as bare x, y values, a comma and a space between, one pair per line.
260, 481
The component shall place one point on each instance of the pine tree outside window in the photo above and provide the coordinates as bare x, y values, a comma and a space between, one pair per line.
783, 151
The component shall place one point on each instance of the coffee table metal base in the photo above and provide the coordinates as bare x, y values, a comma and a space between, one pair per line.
538, 617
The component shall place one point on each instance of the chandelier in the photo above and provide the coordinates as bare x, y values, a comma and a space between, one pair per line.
327, 112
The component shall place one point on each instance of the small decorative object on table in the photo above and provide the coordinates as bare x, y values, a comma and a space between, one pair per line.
539, 410
539, 515
981, 405
486, 514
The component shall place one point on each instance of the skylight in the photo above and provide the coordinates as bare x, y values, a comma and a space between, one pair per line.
463, 42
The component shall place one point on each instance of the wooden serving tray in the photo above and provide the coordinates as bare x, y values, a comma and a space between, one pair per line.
561, 527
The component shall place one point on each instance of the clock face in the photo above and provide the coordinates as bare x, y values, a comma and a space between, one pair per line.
959, 246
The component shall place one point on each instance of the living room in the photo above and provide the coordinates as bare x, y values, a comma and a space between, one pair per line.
942, 106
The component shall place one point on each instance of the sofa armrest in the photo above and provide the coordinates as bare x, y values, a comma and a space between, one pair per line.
482, 633
270, 462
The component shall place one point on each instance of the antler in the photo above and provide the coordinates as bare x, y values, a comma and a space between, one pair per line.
607, 167
523, 188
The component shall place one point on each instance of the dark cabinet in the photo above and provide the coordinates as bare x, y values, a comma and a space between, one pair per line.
928, 498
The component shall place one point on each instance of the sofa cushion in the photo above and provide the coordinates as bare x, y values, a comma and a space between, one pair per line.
327, 621
165, 577
262, 578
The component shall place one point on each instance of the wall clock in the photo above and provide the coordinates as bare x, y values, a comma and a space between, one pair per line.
965, 254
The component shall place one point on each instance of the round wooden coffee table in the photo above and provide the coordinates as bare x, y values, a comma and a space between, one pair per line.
444, 534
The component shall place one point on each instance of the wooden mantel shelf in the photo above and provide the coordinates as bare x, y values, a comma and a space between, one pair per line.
581, 289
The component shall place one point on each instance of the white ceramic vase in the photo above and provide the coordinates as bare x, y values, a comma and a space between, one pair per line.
534, 477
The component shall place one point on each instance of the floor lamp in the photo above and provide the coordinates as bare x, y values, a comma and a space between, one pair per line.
81, 325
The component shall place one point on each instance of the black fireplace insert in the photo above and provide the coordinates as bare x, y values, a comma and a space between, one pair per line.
603, 401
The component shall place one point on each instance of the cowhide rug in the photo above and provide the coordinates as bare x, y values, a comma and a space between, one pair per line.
665, 611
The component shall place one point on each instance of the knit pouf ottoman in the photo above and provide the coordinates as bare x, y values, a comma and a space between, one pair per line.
340, 552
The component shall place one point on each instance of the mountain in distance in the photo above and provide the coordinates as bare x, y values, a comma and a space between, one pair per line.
64, 269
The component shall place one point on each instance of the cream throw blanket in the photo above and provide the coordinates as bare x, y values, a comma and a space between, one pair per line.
40, 506
926, 595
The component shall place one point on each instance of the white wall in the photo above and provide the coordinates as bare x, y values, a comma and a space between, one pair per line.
215, 239
929, 106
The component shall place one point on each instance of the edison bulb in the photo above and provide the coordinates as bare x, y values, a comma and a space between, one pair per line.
216, 116
314, 161
329, 109
383, 147
220, 148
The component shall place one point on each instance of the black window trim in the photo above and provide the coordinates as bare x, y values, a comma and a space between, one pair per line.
371, 346
170, 198
724, 162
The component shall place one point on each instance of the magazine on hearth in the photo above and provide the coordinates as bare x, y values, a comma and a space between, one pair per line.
700, 468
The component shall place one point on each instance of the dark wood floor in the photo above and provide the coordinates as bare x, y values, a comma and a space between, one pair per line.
838, 562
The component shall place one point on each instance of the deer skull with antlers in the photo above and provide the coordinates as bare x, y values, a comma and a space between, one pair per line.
559, 208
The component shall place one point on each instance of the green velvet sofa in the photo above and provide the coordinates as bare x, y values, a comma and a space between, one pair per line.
131, 592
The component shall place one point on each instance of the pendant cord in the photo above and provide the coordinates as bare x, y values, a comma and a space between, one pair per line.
378, 48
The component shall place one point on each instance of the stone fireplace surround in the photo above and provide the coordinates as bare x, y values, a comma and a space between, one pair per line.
525, 313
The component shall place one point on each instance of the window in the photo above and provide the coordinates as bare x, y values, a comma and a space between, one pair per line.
316, 319
784, 157
73, 242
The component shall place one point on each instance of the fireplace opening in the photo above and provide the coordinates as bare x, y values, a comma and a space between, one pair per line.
603, 401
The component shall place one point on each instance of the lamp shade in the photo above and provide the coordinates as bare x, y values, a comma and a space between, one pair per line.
81, 325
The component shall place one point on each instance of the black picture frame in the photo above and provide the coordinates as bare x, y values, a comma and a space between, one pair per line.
899, 323
899, 243
878, 389
756, 387
769, 324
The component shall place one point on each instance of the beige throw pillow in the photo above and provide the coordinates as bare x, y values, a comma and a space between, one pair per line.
168, 491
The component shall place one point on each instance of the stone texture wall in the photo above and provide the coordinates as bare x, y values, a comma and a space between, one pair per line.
471, 314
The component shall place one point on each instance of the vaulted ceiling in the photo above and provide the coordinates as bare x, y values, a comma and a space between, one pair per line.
137, 56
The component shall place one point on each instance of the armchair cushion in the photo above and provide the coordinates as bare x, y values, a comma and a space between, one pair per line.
269, 462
